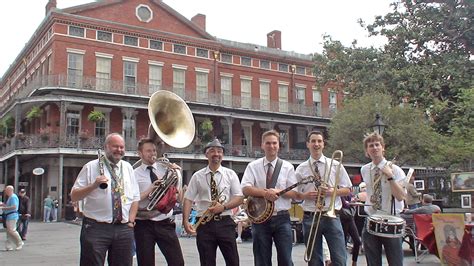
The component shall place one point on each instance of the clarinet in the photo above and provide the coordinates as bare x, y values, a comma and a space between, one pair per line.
101, 168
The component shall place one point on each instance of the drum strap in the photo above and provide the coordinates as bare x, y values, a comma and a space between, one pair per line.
276, 173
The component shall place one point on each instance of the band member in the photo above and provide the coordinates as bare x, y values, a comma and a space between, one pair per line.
385, 192
259, 181
216, 191
318, 166
109, 212
153, 226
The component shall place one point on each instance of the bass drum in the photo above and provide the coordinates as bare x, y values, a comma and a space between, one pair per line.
384, 225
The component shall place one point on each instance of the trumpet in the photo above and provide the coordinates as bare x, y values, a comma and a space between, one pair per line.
170, 180
320, 203
208, 215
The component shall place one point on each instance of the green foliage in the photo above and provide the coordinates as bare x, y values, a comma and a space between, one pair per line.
206, 128
33, 113
408, 136
7, 125
95, 116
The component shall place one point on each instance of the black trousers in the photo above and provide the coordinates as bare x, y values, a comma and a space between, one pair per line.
217, 233
163, 233
98, 239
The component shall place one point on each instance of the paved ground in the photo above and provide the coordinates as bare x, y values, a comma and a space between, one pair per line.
58, 244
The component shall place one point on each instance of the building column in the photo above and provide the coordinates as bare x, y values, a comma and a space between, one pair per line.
60, 186
62, 120
17, 124
230, 122
286, 137
17, 173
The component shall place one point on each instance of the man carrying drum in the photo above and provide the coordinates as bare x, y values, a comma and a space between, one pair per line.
386, 193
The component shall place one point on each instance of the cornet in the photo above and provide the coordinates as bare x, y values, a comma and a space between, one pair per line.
320, 203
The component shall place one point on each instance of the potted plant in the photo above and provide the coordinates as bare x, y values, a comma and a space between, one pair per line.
33, 113
206, 130
96, 116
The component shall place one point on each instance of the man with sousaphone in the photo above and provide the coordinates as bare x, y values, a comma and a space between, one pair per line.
385, 182
266, 178
216, 191
322, 201
158, 181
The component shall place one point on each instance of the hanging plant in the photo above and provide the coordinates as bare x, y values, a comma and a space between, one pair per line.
33, 113
6, 125
96, 116
206, 130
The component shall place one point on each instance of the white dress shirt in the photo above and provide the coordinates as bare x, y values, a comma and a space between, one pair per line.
142, 174
98, 203
303, 170
255, 175
199, 188
368, 174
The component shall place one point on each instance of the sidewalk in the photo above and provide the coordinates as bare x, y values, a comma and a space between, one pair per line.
58, 244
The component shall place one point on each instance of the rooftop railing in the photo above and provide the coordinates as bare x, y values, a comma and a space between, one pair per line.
189, 95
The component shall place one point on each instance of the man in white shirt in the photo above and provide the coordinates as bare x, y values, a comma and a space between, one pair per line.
258, 182
317, 166
216, 191
385, 182
109, 211
154, 226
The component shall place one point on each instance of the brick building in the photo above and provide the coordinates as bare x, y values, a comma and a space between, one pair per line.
104, 59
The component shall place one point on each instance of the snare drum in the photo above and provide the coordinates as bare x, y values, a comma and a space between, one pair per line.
386, 225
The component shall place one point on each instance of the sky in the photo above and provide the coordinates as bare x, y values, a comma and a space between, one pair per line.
303, 23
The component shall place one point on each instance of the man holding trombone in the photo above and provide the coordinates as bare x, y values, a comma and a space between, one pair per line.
322, 202
153, 225
216, 191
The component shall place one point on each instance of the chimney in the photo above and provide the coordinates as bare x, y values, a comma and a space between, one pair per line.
200, 21
274, 39
50, 6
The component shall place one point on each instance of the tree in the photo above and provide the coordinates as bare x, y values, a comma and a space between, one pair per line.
425, 63
408, 137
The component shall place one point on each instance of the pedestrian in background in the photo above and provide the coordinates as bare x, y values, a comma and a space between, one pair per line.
10, 210
54, 210
48, 206
24, 211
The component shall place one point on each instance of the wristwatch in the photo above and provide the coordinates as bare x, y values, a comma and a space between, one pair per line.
225, 208
390, 178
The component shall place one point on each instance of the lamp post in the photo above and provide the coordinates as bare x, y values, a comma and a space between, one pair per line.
378, 126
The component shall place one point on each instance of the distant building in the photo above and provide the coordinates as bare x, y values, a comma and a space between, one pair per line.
110, 56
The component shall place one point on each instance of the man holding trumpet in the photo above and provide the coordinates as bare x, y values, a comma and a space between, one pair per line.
319, 166
216, 191
155, 226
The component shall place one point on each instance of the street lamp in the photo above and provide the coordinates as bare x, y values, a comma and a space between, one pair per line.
379, 126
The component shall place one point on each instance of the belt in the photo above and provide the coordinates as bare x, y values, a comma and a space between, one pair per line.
281, 213
323, 212
216, 218
90, 220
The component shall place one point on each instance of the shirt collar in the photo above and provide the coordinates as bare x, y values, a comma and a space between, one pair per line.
321, 159
208, 170
380, 165
265, 162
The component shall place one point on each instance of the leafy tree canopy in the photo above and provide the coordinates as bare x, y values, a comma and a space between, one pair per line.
426, 62
408, 136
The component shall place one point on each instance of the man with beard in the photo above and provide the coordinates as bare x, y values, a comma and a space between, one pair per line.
109, 210
24, 211
154, 226
265, 177
216, 191
318, 167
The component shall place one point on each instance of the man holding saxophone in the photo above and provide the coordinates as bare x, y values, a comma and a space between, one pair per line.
216, 191
153, 226
110, 194
324, 171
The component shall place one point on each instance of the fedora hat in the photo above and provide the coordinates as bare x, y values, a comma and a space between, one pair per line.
214, 143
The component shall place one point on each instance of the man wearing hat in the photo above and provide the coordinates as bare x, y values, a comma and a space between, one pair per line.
216, 191
24, 212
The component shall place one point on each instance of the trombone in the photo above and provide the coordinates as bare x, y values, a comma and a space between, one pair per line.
320, 203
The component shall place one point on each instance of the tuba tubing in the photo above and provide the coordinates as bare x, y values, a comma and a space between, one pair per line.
160, 190
320, 203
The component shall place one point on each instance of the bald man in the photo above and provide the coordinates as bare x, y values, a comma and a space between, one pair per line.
10, 210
